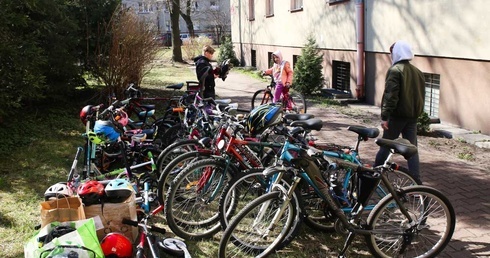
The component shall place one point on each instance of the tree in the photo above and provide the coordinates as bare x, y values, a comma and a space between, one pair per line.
127, 56
37, 54
308, 77
226, 51
186, 15
174, 8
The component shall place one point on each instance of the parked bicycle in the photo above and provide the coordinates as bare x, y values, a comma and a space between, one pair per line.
414, 221
292, 101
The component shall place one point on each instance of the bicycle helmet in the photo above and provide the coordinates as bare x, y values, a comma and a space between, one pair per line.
116, 245
58, 190
91, 192
121, 117
263, 117
106, 128
85, 113
118, 190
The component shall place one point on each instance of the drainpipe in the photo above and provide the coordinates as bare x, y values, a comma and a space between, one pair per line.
360, 94
240, 31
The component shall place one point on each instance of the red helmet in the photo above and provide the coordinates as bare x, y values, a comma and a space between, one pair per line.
85, 113
90, 192
117, 245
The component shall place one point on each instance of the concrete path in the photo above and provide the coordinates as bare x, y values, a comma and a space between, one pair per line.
467, 186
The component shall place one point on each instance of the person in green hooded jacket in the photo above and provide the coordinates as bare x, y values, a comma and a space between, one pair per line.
402, 103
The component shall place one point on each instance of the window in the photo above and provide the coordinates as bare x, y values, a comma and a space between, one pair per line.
331, 2
432, 91
269, 8
213, 5
269, 57
254, 58
251, 10
296, 5
341, 76
295, 59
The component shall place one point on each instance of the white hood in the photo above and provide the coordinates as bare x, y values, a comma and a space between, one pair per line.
401, 51
278, 54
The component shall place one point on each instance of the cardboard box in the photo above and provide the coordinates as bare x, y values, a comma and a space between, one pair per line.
63, 209
111, 215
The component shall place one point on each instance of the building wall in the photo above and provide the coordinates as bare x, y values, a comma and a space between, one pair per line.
449, 38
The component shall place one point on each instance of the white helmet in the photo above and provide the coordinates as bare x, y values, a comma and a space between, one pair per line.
58, 190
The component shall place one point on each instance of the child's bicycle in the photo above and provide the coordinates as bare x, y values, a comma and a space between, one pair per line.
292, 101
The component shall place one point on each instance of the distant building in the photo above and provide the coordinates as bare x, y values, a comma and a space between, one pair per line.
450, 40
209, 17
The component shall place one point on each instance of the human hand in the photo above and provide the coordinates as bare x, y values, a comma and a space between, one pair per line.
287, 85
384, 125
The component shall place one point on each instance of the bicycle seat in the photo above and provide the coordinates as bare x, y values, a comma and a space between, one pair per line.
222, 101
147, 107
400, 145
309, 124
364, 132
177, 86
294, 117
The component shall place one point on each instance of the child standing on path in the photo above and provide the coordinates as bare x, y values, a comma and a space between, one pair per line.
282, 73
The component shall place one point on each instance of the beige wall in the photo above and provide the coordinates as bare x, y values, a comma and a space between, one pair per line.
450, 38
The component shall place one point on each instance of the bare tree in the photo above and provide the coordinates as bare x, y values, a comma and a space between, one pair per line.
174, 8
125, 59
186, 15
218, 21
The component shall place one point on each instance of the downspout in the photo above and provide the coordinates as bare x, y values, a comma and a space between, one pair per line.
360, 94
240, 31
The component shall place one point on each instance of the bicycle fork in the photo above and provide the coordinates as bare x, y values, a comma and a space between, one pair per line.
287, 196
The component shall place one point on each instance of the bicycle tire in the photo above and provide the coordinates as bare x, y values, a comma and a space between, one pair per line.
321, 219
173, 150
174, 133
261, 97
248, 186
201, 220
172, 170
298, 103
428, 204
234, 242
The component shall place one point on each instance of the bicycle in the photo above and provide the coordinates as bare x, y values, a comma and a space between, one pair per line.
292, 102
151, 245
414, 221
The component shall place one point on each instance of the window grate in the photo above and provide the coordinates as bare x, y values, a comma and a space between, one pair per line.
254, 58
341, 76
432, 93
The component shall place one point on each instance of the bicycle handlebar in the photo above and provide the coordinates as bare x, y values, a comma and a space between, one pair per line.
137, 224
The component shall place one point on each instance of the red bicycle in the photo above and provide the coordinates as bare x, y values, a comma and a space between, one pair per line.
292, 101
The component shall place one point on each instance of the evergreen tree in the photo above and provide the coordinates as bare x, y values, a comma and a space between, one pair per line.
226, 51
308, 77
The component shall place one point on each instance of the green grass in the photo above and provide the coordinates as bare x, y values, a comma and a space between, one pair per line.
37, 151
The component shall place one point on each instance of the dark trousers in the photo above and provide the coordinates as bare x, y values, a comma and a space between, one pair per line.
408, 129
209, 93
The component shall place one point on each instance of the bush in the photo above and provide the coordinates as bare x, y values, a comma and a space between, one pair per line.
423, 123
193, 47
308, 77
226, 52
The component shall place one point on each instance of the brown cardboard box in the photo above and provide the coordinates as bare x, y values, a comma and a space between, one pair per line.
111, 215
63, 209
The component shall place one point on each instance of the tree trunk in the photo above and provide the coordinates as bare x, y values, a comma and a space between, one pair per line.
187, 18
174, 22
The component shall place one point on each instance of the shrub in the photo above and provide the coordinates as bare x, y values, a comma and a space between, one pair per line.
423, 123
193, 47
308, 77
226, 51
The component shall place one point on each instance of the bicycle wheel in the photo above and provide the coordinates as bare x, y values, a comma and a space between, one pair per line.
261, 97
248, 186
399, 178
173, 169
191, 206
393, 235
296, 103
251, 232
174, 150
173, 134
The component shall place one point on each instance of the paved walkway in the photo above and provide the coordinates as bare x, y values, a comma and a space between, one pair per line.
467, 186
